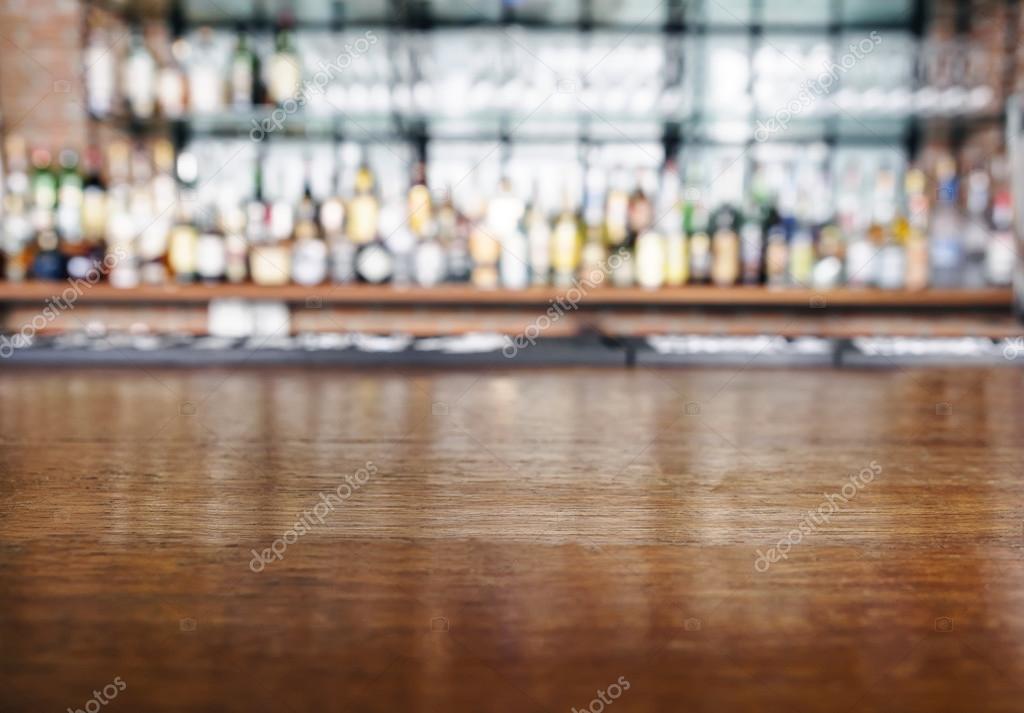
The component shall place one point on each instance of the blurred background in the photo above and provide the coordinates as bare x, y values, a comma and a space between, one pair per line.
587, 181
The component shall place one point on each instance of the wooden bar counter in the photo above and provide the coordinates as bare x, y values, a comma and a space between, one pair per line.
518, 540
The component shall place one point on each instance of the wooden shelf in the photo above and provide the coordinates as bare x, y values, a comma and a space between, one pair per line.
377, 295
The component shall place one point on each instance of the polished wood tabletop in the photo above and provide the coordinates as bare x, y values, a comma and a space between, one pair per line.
640, 540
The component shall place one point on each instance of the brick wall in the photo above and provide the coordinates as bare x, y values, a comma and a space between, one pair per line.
41, 92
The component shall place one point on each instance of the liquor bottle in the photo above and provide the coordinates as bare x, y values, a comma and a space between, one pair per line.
514, 261
183, 244
48, 263
828, 270
283, 70
100, 74
139, 78
538, 237
453, 234
776, 253
617, 210
205, 78
69, 198
94, 198
594, 255
341, 252
374, 262
917, 236
363, 209
309, 253
152, 199
244, 71
670, 226
236, 247
419, 207
751, 249
17, 223
484, 248
172, 84
801, 257
3, 207
861, 268
154, 202
270, 257
947, 231
211, 250
430, 261
640, 210
121, 249
976, 233
397, 237
504, 217
725, 248
696, 224
566, 241
44, 186
892, 257
650, 259
1001, 252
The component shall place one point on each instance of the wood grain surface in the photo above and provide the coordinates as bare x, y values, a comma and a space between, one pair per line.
527, 539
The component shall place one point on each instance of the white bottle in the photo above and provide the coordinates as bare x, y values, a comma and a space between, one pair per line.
514, 262
650, 260
211, 256
139, 79
430, 263
309, 262
205, 78
860, 262
539, 247
100, 74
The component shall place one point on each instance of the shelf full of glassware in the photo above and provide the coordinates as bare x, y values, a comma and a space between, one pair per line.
714, 71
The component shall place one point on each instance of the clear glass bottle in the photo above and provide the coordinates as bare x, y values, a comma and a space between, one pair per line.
211, 249
205, 76
1001, 250
172, 85
284, 72
538, 237
566, 241
100, 73
696, 223
244, 71
139, 78
947, 231
430, 264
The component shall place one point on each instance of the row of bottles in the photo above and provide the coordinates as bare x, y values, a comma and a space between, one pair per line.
61, 215
190, 77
